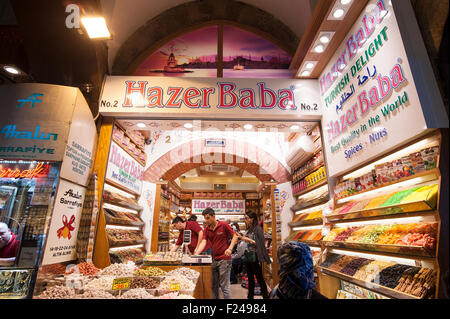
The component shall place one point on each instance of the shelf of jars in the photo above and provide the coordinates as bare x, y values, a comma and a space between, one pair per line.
389, 208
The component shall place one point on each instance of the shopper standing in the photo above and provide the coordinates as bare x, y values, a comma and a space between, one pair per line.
296, 273
219, 234
255, 255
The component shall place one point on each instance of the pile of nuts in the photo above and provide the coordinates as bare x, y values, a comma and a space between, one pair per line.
187, 272
143, 282
95, 294
87, 269
150, 271
103, 282
119, 270
57, 292
138, 293
185, 284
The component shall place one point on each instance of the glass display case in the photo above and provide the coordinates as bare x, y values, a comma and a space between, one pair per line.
27, 190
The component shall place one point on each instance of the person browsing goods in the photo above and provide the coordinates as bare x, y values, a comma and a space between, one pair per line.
219, 234
196, 234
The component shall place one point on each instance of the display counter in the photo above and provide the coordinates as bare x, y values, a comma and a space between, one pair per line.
204, 283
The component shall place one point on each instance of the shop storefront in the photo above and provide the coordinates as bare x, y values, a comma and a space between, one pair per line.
48, 142
348, 164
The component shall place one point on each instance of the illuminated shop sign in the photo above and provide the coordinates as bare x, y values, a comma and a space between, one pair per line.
11, 132
18, 171
369, 95
139, 94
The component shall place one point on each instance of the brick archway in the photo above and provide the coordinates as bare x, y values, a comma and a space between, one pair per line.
236, 153
190, 16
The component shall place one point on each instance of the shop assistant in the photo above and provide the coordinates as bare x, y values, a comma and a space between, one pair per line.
196, 234
9, 245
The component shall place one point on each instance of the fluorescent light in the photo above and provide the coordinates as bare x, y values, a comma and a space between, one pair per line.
120, 209
295, 127
309, 65
187, 125
344, 2
398, 220
319, 49
388, 189
141, 125
307, 227
311, 209
122, 227
338, 13
11, 70
404, 261
96, 27
306, 73
126, 247
315, 192
248, 126
324, 39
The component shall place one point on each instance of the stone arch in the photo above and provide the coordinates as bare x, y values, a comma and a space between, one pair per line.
190, 16
236, 153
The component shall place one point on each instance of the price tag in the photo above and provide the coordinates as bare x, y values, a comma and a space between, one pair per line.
175, 287
121, 283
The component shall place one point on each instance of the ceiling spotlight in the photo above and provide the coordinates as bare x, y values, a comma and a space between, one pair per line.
306, 73
187, 125
141, 125
295, 127
248, 126
324, 39
11, 70
319, 48
96, 27
338, 13
309, 65
344, 2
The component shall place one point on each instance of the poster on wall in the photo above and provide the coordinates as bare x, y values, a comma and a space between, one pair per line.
64, 225
147, 201
286, 201
370, 101
219, 206
124, 170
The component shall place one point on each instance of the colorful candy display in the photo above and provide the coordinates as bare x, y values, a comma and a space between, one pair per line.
416, 281
414, 234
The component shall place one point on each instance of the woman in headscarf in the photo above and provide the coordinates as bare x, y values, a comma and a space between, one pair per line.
295, 271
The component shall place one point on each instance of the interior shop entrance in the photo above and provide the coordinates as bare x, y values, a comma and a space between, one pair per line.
160, 169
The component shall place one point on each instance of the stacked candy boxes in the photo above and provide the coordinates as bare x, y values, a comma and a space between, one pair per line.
120, 137
415, 281
419, 198
414, 234
310, 180
384, 173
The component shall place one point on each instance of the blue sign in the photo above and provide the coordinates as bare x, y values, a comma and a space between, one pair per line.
10, 132
32, 99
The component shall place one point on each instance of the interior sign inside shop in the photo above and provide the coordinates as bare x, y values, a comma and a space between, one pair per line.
368, 92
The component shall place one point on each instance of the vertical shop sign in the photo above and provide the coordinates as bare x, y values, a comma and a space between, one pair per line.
64, 225
124, 169
369, 96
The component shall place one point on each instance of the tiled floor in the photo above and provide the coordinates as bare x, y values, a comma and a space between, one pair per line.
238, 292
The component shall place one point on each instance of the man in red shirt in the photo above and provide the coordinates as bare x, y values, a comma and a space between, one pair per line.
219, 234
9, 246
196, 233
